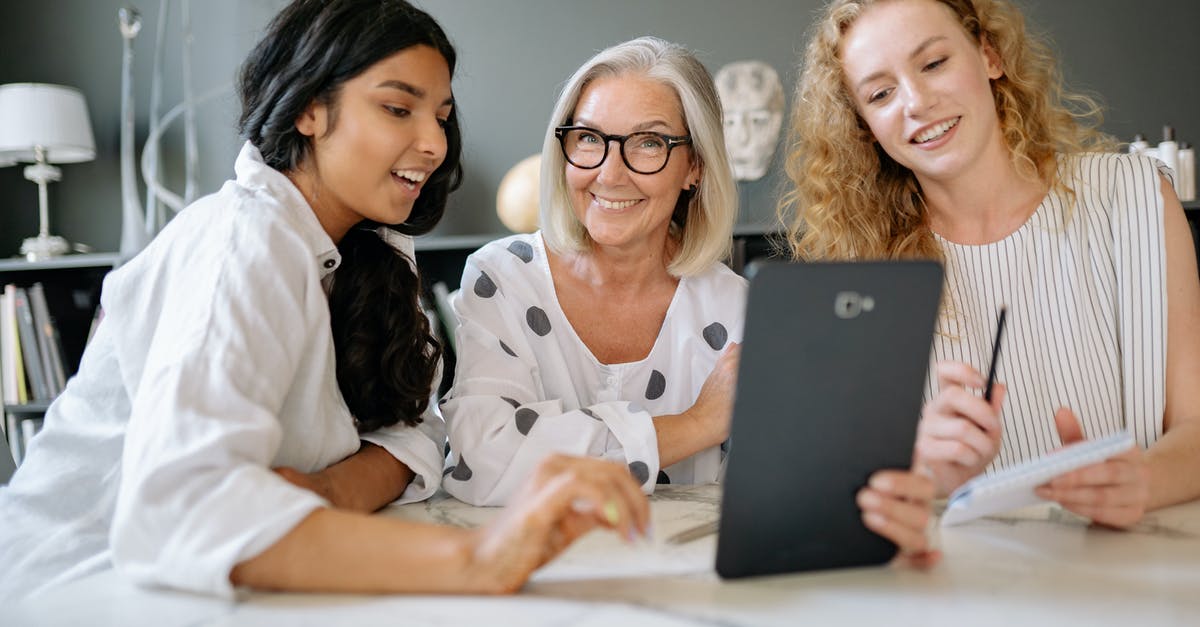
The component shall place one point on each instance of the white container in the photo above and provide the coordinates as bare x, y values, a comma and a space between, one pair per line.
1138, 145
1186, 185
1168, 152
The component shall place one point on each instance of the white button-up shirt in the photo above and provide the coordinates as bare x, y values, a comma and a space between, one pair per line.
214, 363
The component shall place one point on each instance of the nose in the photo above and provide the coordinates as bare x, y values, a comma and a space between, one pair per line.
918, 98
431, 139
613, 170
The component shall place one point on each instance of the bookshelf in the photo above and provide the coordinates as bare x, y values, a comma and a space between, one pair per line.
71, 285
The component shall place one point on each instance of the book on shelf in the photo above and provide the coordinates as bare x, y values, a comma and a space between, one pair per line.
31, 354
20, 433
32, 357
29, 428
14, 436
8, 370
15, 388
49, 344
7, 465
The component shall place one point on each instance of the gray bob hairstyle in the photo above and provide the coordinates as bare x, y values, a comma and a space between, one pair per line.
707, 231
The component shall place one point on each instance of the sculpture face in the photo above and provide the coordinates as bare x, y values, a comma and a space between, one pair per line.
752, 99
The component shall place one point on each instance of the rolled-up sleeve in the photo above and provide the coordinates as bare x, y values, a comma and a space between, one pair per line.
420, 448
197, 495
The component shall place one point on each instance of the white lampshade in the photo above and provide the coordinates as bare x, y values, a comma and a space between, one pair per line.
51, 117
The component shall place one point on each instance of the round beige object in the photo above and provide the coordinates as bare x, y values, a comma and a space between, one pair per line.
517, 198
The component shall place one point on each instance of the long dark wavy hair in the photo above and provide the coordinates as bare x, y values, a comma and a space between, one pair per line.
386, 355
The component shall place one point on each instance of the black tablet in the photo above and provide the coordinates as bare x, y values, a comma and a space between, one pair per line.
829, 390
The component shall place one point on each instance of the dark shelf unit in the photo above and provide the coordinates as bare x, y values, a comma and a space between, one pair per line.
72, 286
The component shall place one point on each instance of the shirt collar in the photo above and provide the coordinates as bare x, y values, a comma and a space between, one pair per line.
252, 172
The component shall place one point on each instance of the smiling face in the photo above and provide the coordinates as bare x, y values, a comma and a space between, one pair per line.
617, 206
921, 83
378, 143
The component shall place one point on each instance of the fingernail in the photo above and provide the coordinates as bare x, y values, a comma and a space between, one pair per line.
611, 513
874, 520
867, 498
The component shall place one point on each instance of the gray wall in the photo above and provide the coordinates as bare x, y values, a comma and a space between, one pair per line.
514, 54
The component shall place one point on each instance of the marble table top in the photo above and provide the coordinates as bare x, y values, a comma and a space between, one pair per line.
1037, 566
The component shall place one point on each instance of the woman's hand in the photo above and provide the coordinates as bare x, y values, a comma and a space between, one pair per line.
318, 482
706, 423
1115, 492
896, 505
714, 405
565, 498
959, 433
363, 482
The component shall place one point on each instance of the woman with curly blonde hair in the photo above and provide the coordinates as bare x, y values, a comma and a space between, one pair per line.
941, 129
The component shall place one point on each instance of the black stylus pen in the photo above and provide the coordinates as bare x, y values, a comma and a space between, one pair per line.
991, 379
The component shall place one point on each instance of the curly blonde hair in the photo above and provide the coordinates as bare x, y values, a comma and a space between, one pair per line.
839, 176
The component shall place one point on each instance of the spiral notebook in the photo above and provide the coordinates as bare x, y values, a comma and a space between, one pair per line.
1013, 487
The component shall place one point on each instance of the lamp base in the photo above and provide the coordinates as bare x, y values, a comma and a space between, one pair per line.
44, 247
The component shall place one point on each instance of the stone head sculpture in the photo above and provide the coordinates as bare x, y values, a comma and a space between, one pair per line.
752, 99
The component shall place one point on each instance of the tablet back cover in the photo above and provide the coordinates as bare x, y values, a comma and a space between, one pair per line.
830, 388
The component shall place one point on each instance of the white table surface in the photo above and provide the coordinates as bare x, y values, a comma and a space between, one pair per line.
1040, 566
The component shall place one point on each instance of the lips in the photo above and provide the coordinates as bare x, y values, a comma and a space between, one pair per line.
935, 131
411, 179
614, 204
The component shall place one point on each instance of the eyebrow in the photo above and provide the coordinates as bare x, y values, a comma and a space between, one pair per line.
411, 89
643, 126
914, 54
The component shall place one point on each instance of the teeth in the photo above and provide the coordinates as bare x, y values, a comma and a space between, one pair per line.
614, 204
936, 131
412, 175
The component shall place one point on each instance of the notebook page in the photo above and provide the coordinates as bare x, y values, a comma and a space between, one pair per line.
1013, 487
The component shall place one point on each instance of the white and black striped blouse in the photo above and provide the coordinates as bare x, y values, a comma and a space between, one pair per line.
1084, 283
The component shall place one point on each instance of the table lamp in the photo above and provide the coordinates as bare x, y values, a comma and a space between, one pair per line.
44, 124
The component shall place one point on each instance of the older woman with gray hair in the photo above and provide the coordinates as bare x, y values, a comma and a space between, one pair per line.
612, 332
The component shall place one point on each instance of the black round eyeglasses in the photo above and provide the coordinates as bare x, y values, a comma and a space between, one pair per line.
644, 152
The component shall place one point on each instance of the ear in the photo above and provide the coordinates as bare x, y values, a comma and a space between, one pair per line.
311, 121
695, 172
995, 65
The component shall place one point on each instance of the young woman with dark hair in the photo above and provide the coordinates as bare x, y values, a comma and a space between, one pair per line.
386, 356
269, 340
